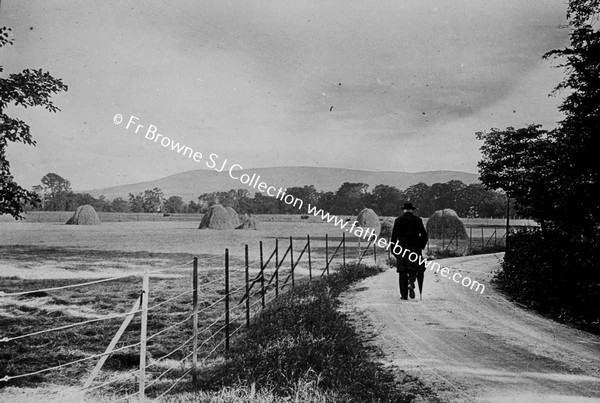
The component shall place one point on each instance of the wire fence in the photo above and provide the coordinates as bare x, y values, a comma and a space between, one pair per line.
466, 241
171, 332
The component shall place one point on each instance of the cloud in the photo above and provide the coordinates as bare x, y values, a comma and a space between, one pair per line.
258, 79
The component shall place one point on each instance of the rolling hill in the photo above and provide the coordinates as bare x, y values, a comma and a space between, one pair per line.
190, 184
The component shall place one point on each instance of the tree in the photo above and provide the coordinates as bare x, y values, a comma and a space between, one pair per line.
56, 191
152, 200
350, 198
418, 195
578, 132
308, 194
193, 207
476, 201
445, 195
387, 200
326, 201
174, 204
521, 163
27, 89
136, 203
119, 205
265, 204
75, 200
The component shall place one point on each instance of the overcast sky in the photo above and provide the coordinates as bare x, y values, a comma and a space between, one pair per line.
373, 85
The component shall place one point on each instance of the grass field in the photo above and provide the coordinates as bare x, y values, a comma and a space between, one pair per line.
40, 255
44, 255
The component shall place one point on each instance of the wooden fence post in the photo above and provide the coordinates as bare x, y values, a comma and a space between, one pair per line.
482, 238
226, 299
456, 234
374, 252
276, 268
470, 239
309, 259
327, 253
262, 276
195, 321
344, 250
247, 286
292, 261
143, 335
443, 237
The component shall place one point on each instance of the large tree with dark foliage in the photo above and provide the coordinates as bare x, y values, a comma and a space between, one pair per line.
28, 88
553, 172
56, 191
553, 175
578, 132
521, 163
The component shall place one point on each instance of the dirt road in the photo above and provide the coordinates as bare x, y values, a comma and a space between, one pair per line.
480, 348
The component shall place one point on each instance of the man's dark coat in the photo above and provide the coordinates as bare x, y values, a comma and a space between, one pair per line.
410, 233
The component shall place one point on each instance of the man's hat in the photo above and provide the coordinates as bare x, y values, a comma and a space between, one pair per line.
408, 206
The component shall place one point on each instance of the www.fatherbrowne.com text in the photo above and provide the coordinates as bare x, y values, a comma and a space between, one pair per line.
253, 181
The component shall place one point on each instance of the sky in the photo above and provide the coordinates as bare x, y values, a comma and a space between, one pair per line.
370, 85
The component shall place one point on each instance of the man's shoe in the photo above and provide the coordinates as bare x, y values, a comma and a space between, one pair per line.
411, 291
403, 298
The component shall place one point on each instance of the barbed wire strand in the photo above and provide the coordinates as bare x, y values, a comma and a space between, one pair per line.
171, 267
222, 278
110, 317
85, 322
212, 336
104, 280
169, 300
169, 327
236, 330
117, 378
213, 304
175, 383
204, 329
159, 359
13, 294
237, 317
201, 362
8, 378
172, 367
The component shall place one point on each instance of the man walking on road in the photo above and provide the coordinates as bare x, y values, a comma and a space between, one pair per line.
410, 233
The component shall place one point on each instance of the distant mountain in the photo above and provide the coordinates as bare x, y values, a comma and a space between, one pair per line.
189, 185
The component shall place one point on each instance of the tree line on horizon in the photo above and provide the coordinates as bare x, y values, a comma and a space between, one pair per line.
468, 201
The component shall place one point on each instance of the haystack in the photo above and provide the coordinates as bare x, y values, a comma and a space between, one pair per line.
386, 228
249, 223
368, 219
235, 218
217, 217
446, 223
84, 215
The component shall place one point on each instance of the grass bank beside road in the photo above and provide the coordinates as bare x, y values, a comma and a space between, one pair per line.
303, 349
